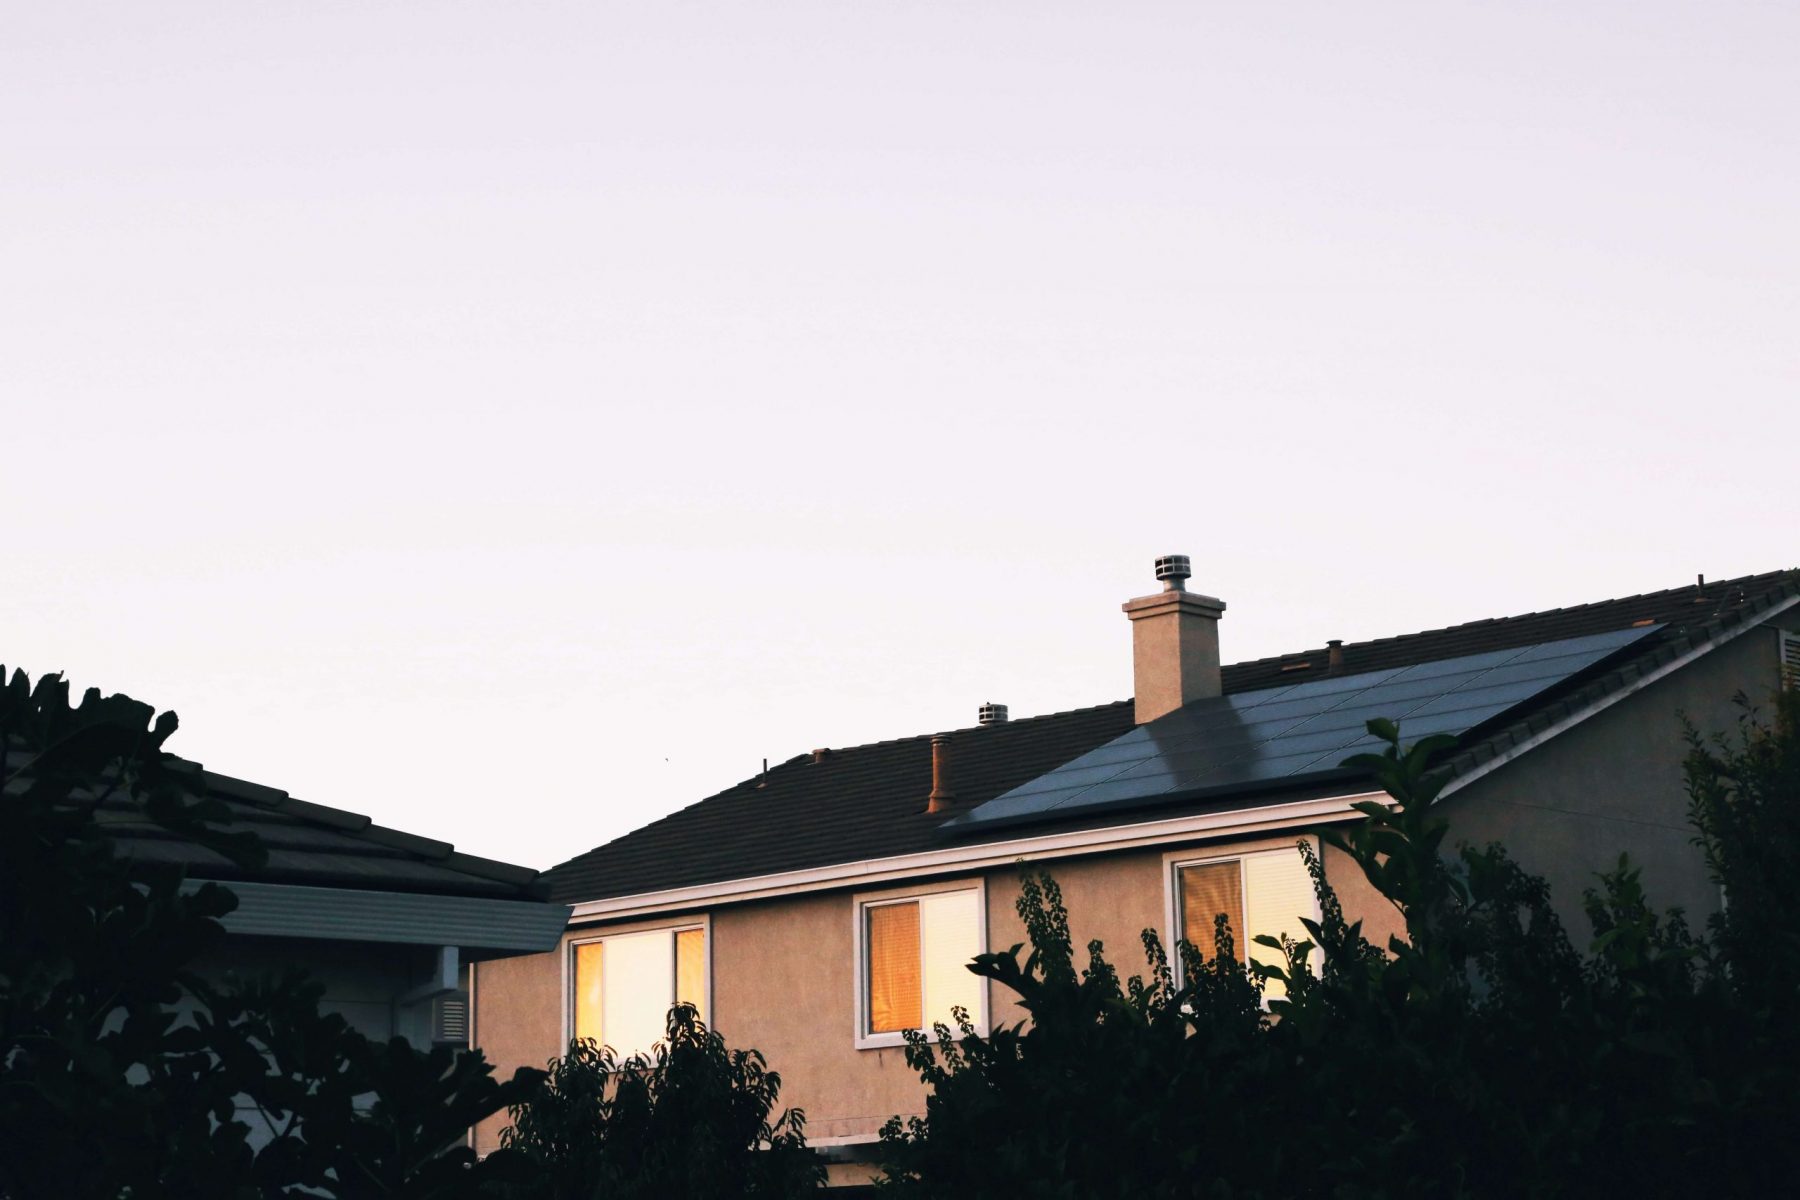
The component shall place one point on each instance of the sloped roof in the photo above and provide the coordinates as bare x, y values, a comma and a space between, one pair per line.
866, 802
310, 844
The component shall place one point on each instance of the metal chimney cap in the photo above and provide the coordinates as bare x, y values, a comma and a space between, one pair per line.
1173, 570
992, 714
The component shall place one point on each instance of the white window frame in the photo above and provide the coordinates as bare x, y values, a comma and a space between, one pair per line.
586, 937
860, 904
1174, 860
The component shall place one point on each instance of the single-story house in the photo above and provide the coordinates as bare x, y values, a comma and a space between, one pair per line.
389, 922
818, 910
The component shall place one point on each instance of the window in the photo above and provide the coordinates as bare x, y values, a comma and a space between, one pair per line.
1262, 893
1790, 661
625, 983
913, 957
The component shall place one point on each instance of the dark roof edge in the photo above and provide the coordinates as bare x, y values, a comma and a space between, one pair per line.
1546, 722
363, 827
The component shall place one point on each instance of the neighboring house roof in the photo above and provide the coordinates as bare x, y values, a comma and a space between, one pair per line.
868, 802
313, 845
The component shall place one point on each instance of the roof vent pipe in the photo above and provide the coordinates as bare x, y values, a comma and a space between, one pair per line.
991, 714
1334, 656
943, 795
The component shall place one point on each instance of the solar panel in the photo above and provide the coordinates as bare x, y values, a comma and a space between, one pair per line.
1293, 733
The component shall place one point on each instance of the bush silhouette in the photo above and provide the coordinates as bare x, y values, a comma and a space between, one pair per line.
690, 1120
1480, 1055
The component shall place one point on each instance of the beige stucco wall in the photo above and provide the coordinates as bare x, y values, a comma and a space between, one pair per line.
1613, 784
783, 981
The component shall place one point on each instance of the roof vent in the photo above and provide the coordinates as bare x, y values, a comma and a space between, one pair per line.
1334, 655
991, 714
1173, 570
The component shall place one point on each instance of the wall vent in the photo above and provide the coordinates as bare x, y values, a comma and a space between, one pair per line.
450, 1019
1790, 661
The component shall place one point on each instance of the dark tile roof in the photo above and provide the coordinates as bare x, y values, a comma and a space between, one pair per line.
867, 802
311, 844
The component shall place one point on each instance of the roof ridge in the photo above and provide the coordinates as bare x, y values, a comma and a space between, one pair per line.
1725, 586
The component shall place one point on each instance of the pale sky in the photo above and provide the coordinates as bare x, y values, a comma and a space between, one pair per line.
515, 421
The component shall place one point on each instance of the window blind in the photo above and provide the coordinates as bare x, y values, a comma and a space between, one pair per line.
1207, 890
949, 935
896, 989
1280, 893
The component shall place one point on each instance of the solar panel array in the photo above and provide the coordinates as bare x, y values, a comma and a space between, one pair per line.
1283, 735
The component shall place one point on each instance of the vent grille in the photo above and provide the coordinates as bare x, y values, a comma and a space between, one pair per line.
1790, 661
450, 1019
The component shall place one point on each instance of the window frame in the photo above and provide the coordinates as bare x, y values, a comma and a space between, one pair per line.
859, 926
587, 937
1174, 860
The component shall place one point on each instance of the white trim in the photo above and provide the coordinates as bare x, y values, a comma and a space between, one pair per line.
860, 904
961, 859
703, 923
1605, 702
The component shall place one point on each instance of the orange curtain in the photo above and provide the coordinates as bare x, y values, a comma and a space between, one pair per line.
587, 990
690, 968
1207, 891
896, 990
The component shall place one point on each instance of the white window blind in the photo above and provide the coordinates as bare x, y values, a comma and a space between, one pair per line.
1277, 892
1790, 661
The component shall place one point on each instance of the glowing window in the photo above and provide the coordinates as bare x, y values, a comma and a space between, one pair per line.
1265, 893
625, 984
914, 960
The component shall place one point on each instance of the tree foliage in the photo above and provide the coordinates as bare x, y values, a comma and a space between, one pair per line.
1480, 1055
122, 1071
690, 1120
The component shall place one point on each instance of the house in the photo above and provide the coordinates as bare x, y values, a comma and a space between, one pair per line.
818, 910
388, 922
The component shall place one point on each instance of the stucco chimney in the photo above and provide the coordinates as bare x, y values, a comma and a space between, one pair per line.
1174, 643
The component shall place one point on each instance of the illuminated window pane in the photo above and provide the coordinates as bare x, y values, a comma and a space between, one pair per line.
690, 969
950, 934
1280, 892
1206, 891
896, 992
917, 956
588, 958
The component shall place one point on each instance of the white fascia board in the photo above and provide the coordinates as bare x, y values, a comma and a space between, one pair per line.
956, 859
1605, 702
475, 923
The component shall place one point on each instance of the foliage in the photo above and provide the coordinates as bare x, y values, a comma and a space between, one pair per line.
122, 1072
688, 1121
1479, 1055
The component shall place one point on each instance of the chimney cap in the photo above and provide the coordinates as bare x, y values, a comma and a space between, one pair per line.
992, 714
1174, 570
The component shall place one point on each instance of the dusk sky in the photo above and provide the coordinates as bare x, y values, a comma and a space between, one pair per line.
516, 421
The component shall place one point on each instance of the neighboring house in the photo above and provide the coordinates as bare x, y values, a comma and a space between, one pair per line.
387, 921
817, 910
